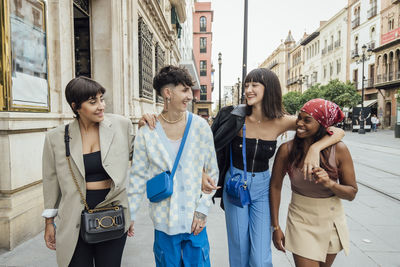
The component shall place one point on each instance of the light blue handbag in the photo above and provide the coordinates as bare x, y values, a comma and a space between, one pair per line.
161, 186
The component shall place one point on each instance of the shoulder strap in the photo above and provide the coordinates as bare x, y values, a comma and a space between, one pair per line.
67, 154
66, 140
178, 156
243, 155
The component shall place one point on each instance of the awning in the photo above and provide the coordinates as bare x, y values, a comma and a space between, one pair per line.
369, 103
189, 65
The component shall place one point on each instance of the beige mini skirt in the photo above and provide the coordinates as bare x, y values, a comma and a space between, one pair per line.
316, 227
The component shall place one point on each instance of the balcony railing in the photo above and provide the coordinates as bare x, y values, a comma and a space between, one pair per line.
324, 51
371, 45
369, 83
330, 47
372, 12
390, 76
354, 52
292, 80
356, 22
337, 43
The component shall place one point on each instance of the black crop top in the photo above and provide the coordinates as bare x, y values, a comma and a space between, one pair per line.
94, 170
263, 149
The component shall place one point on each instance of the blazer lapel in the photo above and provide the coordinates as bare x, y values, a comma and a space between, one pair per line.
76, 146
106, 137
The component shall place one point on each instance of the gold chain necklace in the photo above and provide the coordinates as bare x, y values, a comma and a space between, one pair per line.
171, 122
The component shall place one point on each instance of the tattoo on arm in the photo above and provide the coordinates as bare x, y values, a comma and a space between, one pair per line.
200, 216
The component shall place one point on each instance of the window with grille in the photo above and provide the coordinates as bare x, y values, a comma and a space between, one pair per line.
159, 63
145, 61
203, 92
203, 68
203, 45
203, 24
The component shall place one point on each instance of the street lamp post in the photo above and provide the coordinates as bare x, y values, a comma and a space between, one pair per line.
219, 82
366, 54
238, 92
244, 66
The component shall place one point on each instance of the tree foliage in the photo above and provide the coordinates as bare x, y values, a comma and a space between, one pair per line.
343, 94
292, 102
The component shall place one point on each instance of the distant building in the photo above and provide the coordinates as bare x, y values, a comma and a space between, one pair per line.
202, 48
278, 61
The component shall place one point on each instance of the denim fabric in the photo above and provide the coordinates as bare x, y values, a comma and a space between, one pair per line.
249, 228
181, 249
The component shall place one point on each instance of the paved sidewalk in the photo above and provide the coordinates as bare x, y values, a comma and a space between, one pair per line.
373, 218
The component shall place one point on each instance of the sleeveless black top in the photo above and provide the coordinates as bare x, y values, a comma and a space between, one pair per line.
94, 170
258, 153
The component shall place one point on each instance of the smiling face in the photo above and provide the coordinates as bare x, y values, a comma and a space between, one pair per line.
254, 93
306, 125
92, 109
180, 96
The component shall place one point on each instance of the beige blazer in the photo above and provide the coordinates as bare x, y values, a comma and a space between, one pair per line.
59, 190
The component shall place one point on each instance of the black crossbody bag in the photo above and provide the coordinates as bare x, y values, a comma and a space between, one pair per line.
101, 224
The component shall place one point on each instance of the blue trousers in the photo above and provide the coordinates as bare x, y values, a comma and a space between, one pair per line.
249, 228
181, 249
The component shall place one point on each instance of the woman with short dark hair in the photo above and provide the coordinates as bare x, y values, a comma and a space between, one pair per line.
259, 123
100, 148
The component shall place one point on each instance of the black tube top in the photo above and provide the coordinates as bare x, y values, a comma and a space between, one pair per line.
265, 151
94, 170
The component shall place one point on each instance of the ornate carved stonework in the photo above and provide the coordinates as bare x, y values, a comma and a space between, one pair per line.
84, 5
145, 61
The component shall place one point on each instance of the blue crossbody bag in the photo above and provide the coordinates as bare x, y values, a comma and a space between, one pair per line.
236, 186
161, 186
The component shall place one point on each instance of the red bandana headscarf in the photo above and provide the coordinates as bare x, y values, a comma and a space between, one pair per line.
325, 112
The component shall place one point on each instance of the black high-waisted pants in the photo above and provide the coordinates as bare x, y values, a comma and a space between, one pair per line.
104, 254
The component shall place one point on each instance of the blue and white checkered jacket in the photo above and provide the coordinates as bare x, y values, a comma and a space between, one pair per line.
153, 154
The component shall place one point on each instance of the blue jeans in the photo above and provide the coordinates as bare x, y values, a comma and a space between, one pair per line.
249, 228
181, 249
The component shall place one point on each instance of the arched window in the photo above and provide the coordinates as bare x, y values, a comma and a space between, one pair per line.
203, 24
372, 33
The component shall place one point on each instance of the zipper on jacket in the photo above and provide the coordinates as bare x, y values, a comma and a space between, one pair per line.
254, 157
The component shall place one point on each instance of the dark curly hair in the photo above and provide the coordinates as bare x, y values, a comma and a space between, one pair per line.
171, 75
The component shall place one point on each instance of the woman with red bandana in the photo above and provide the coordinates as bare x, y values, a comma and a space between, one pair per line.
316, 227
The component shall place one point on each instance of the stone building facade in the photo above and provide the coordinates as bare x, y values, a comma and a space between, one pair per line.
333, 48
278, 61
364, 29
387, 62
44, 44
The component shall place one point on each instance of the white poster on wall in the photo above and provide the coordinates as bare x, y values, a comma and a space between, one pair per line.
29, 58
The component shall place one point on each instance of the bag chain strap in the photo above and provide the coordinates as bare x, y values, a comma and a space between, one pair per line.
81, 194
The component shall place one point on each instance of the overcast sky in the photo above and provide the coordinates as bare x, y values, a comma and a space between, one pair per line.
268, 23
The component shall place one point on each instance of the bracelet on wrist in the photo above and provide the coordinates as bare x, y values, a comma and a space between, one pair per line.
274, 228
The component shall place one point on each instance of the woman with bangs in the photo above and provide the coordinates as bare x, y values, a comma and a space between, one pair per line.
263, 118
100, 147
316, 227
